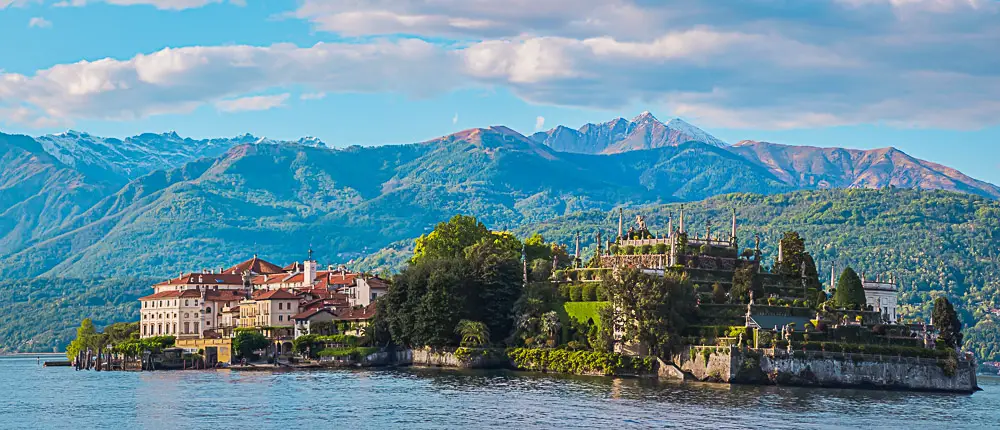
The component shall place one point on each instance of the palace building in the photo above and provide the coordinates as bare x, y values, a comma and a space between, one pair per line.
256, 294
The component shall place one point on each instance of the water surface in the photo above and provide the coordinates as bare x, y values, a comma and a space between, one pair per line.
54, 398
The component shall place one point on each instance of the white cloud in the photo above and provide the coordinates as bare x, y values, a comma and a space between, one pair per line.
39, 22
159, 4
313, 96
539, 123
252, 103
176, 80
454, 119
757, 63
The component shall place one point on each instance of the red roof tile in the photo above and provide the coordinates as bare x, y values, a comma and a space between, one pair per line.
257, 266
309, 314
274, 295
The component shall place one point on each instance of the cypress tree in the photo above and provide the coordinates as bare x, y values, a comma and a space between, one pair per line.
850, 291
947, 323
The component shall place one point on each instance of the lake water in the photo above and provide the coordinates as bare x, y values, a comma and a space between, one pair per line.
52, 398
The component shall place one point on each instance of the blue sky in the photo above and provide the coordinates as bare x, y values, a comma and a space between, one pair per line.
921, 75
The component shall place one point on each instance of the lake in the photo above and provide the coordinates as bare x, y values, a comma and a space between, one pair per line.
52, 398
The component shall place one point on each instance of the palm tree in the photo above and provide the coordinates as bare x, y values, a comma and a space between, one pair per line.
474, 333
550, 325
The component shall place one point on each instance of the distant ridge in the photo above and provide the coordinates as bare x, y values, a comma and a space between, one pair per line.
621, 135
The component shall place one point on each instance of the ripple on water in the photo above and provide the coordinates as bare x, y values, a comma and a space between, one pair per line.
39, 397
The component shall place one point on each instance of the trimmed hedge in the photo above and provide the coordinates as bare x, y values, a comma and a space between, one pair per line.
579, 362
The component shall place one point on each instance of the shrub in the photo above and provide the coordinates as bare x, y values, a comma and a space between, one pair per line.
564, 291
719, 294
630, 250
646, 249
615, 249
660, 248
566, 361
601, 293
575, 293
589, 293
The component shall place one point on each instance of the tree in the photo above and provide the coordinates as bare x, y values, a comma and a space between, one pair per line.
718, 294
947, 323
495, 285
247, 341
473, 333
86, 338
449, 239
850, 292
793, 249
651, 310
745, 280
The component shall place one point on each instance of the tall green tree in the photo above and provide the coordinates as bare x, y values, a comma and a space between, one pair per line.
245, 342
449, 239
793, 255
850, 292
87, 337
651, 310
947, 323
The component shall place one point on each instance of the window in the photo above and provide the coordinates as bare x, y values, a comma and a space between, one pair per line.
279, 305
208, 310
159, 329
196, 328
187, 328
185, 303
281, 317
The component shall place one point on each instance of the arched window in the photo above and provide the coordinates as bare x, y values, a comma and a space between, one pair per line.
208, 310
159, 329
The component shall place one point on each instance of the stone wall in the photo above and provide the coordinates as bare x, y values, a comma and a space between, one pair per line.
447, 358
706, 363
766, 367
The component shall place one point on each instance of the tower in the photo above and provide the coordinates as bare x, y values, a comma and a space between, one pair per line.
670, 225
621, 223
308, 270
781, 252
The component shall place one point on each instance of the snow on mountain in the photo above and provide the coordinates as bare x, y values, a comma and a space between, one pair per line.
129, 158
621, 135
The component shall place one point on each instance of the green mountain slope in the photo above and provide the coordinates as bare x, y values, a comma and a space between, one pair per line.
279, 200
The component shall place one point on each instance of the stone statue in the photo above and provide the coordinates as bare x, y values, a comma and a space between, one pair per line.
640, 221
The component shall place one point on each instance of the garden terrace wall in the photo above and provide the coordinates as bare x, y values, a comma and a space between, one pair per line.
816, 369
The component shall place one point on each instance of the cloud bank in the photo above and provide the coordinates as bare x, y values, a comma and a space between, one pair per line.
756, 64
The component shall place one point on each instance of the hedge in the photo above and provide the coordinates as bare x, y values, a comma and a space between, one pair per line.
579, 362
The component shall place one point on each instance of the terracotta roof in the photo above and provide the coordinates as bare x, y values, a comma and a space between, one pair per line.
210, 295
309, 314
225, 295
274, 295
362, 314
234, 309
173, 295
204, 278
376, 282
256, 266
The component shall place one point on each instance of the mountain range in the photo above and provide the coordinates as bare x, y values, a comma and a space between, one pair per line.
76, 205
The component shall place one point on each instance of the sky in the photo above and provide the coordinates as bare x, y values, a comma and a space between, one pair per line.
920, 75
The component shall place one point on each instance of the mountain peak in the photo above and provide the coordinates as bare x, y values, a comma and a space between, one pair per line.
620, 135
645, 116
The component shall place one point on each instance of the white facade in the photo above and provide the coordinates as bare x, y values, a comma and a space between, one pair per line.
881, 296
366, 290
